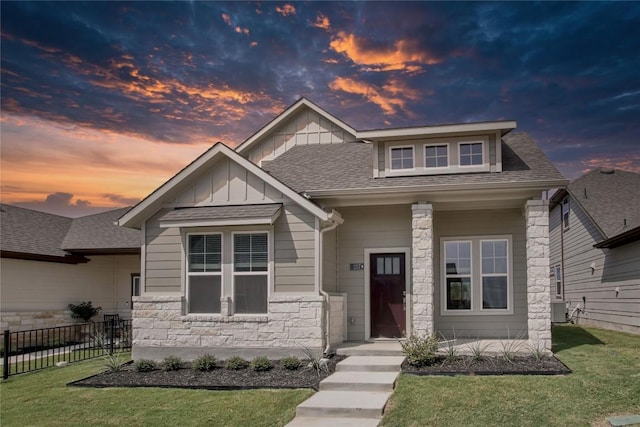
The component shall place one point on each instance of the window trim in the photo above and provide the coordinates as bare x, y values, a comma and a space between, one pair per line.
424, 155
267, 273
413, 158
476, 276
482, 164
558, 279
566, 222
188, 273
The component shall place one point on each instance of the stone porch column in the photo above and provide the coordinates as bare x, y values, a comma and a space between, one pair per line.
422, 268
538, 294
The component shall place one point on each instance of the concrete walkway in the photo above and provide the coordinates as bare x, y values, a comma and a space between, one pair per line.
356, 393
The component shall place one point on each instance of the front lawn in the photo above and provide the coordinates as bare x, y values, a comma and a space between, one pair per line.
42, 398
605, 381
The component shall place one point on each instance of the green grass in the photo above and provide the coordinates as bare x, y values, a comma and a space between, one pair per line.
605, 381
42, 398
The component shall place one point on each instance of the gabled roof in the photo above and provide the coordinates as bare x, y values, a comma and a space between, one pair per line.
153, 202
304, 168
285, 115
25, 231
98, 234
611, 198
34, 235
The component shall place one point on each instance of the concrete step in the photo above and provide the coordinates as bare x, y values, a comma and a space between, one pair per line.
370, 364
333, 422
344, 404
360, 381
377, 348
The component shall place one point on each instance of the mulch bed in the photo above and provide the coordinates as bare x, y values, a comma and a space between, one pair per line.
467, 365
218, 379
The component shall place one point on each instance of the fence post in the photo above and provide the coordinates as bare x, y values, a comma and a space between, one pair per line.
112, 325
5, 356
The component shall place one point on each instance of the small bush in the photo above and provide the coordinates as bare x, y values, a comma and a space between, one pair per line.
172, 363
236, 363
420, 351
205, 363
261, 363
478, 350
144, 365
290, 363
85, 310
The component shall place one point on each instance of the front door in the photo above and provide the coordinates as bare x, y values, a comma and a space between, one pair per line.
388, 317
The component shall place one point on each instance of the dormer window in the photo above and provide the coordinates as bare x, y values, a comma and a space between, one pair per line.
471, 154
402, 158
436, 156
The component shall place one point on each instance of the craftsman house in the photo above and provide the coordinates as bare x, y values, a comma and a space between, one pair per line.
311, 233
595, 251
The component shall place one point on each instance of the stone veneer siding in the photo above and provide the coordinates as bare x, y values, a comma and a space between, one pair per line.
292, 324
25, 320
538, 296
422, 268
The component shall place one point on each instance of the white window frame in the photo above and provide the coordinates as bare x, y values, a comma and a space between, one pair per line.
446, 276
188, 273
507, 275
266, 273
558, 281
484, 160
413, 157
566, 213
476, 276
424, 153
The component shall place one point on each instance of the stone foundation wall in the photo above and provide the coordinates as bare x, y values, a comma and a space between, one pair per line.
24, 320
338, 315
292, 324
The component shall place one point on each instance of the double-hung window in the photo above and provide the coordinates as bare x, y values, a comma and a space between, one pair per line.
250, 272
558, 274
402, 158
495, 274
458, 275
471, 154
476, 275
565, 213
204, 272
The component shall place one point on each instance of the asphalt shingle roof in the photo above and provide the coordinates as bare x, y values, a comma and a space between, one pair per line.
609, 197
349, 166
32, 232
222, 212
99, 232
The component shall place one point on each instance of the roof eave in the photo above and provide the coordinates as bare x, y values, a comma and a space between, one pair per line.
380, 134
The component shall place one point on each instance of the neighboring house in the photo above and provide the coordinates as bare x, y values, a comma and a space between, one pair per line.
311, 233
595, 250
49, 261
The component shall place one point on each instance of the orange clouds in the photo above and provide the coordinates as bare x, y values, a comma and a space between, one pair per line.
321, 22
403, 55
391, 97
286, 10
629, 162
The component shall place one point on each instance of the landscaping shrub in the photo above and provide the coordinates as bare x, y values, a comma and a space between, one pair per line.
172, 363
420, 351
144, 365
85, 310
261, 363
236, 363
290, 363
205, 363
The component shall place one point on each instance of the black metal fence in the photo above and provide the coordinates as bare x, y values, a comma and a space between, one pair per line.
36, 349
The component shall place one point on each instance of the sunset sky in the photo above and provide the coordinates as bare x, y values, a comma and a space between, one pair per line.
103, 102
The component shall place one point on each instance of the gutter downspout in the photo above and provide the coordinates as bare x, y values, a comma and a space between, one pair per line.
333, 225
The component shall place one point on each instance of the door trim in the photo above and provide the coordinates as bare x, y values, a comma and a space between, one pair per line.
367, 285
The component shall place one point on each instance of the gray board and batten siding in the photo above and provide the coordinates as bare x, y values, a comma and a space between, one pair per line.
223, 184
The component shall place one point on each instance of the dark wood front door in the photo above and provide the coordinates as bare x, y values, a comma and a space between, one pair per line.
388, 318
